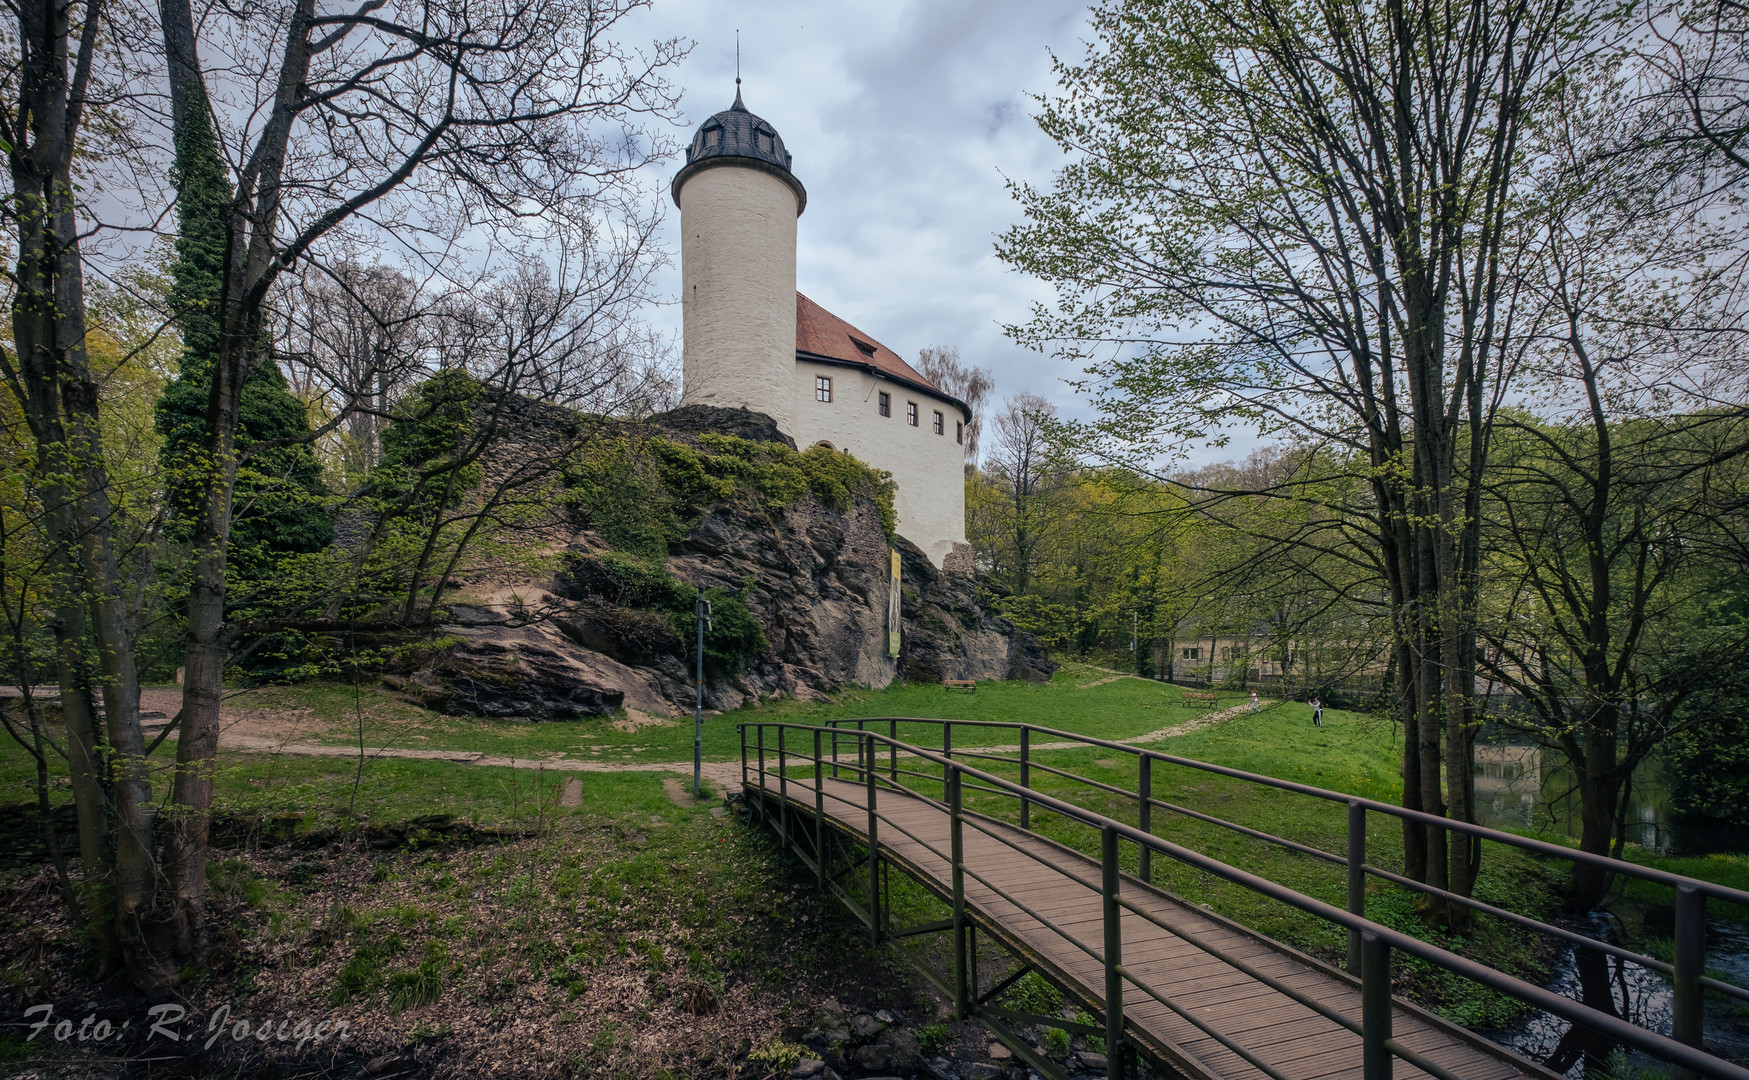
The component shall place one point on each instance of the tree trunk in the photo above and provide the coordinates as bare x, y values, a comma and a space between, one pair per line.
1598, 787
60, 400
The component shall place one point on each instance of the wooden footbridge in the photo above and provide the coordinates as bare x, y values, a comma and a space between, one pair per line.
1197, 995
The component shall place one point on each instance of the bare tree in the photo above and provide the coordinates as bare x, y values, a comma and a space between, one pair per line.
351, 338
1611, 504
416, 124
1020, 467
941, 365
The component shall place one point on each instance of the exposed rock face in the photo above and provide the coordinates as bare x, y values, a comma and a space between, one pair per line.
815, 578
948, 635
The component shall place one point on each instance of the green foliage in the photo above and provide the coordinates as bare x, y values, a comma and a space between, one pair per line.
203, 196
432, 423
1052, 624
1034, 993
933, 1038
278, 509
360, 975
1708, 755
735, 638
422, 985
643, 493
1056, 1043
782, 1057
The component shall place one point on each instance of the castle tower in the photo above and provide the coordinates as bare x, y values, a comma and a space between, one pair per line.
738, 207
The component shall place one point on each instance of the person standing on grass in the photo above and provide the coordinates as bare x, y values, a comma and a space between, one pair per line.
1317, 712
1253, 701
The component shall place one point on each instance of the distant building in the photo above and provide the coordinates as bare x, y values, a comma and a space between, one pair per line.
752, 341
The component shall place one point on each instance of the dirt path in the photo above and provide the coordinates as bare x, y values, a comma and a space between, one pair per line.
724, 774
275, 731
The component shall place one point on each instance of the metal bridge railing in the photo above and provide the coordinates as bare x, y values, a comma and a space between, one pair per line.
1370, 944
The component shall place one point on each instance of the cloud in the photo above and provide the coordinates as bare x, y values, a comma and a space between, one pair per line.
903, 120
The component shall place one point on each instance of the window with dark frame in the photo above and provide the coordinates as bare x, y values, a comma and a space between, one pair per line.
886, 404
959, 432
1192, 654
822, 388
911, 413
940, 423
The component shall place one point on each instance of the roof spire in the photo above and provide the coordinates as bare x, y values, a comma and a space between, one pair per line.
738, 104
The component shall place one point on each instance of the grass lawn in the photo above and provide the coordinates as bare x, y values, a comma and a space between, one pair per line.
1121, 708
1352, 753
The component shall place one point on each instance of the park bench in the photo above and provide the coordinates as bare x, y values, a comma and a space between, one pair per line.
1197, 697
960, 684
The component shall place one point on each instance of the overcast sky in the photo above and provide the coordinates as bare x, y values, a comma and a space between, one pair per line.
903, 118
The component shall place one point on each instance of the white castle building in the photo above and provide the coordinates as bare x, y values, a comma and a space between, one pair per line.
753, 342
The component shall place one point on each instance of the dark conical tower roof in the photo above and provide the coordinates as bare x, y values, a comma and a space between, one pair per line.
737, 137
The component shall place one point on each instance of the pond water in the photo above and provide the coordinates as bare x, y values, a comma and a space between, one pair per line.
1525, 787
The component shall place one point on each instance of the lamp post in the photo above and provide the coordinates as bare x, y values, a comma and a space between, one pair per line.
702, 616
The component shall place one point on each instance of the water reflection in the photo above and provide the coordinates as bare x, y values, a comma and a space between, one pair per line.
1525, 787
1605, 983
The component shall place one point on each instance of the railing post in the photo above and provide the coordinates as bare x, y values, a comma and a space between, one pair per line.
893, 749
833, 724
1145, 790
742, 728
1375, 1007
819, 815
762, 771
782, 786
874, 849
1356, 878
1114, 1050
1690, 965
956, 852
946, 749
1025, 776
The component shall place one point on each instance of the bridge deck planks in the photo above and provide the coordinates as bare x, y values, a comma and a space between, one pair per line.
1291, 1038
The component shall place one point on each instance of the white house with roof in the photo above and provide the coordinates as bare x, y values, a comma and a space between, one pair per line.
752, 341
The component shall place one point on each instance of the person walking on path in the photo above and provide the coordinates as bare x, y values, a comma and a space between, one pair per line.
1253, 701
1317, 712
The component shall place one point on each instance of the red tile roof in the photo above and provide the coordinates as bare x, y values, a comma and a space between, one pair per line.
823, 335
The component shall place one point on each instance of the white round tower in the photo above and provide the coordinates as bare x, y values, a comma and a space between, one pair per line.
738, 207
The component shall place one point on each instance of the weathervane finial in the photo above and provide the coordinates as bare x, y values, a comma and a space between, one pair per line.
738, 68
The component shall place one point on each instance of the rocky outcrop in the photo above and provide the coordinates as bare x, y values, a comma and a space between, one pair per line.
949, 635
815, 578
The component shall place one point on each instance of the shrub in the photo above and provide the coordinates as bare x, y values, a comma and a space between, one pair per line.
1056, 1042
1034, 994
735, 638
782, 1057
